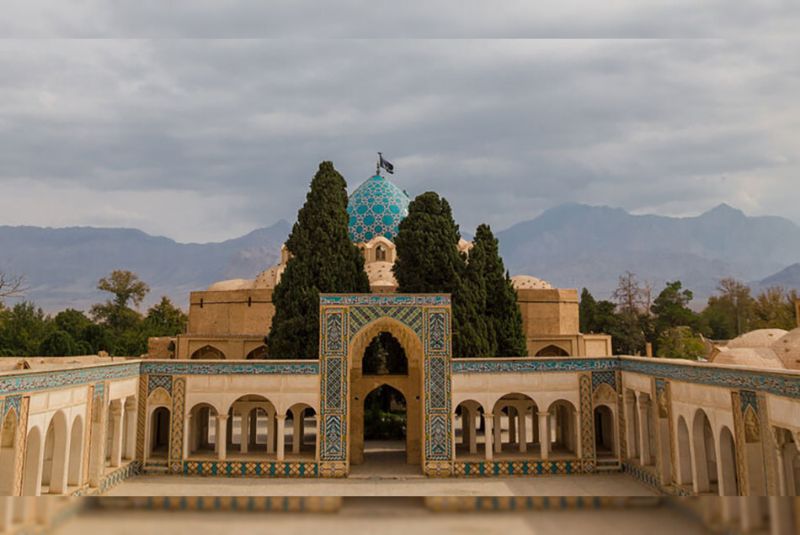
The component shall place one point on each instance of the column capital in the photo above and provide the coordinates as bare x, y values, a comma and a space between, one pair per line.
280, 416
543, 413
222, 416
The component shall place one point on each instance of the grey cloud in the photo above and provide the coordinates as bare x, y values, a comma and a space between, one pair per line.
503, 128
385, 18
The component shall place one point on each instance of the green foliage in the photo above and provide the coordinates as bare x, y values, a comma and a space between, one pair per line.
115, 328
774, 308
323, 261
730, 312
384, 414
58, 344
428, 261
587, 312
427, 248
125, 287
503, 317
165, 319
22, 329
680, 343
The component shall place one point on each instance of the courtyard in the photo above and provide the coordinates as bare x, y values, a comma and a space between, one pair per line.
390, 517
365, 485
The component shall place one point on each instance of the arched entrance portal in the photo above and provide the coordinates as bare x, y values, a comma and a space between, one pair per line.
385, 415
421, 325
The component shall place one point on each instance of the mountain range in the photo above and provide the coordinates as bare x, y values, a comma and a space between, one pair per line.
571, 246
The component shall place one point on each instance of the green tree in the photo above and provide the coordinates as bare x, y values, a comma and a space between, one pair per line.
729, 313
125, 286
503, 317
22, 330
323, 260
632, 322
671, 307
587, 311
680, 343
59, 344
774, 308
73, 322
97, 338
428, 261
116, 313
165, 319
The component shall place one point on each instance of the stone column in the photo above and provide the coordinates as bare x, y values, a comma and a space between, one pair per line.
473, 442
253, 427
544, 434
188, 436
281, 419
488, 423
523, 431
244, 432
630, 427
644, 431
512, 424
316, 435
222, 433
116, 436
271, 432
497, 425
781, 468
130, 444
297, 431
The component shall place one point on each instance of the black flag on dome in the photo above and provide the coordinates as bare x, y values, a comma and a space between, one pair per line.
386, 164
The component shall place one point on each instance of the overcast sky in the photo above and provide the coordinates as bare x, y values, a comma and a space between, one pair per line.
139, 114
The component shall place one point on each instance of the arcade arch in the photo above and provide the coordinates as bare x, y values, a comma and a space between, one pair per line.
208, 352
8, 445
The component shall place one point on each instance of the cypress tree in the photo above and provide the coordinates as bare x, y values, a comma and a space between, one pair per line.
428, 261
323, 260
503, 317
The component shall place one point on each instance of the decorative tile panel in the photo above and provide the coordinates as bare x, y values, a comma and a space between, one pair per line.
394, 300
334, 333
12, 402
22, 442
31, 381
606, 377
176, 437
159, 381
141, 416
534, 365
266, 367
587, 422
407, 315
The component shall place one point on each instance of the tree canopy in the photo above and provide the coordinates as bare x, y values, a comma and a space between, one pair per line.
323, 260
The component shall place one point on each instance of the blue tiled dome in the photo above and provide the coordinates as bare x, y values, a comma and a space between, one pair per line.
376, 208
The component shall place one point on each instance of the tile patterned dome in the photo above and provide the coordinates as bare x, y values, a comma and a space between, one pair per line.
376, 208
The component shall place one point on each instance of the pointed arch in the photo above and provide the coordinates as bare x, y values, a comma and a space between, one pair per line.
552, 350
208, 352
8, 447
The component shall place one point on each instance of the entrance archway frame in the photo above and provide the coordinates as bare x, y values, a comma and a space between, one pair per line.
422, 324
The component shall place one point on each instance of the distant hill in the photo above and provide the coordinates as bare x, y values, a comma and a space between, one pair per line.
576, 245
62, 266
788, 278
571, 246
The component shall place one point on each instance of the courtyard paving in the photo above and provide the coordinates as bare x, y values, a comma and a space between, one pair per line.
575, 485
387, 518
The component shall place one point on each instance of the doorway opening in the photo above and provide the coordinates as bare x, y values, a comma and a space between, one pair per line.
386, 432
